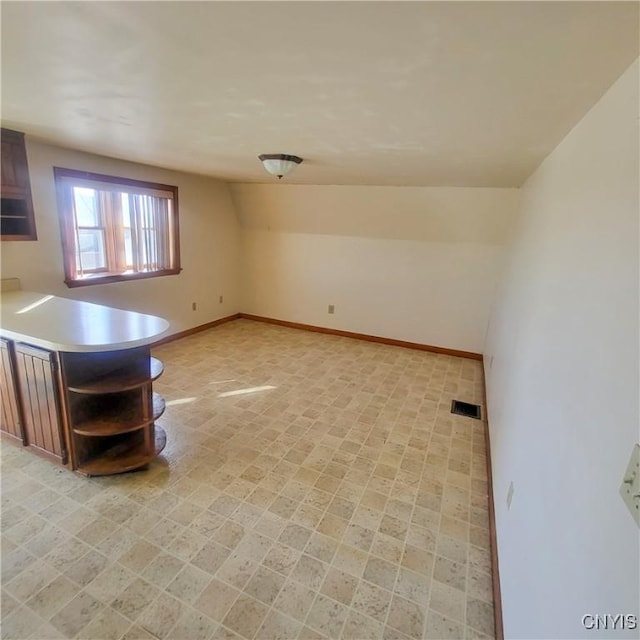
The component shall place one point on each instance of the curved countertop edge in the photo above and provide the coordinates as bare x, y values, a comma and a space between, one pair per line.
66, 325
90, 348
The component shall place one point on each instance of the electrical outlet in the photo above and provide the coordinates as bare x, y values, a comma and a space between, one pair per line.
194, 306
220, 300
491, 362
332, 308
510, 495
630, 487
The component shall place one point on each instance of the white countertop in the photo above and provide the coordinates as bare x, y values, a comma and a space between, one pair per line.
61, 324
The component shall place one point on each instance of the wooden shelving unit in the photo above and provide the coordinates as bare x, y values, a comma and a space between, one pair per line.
123, 379
125, 456
112, 410
119, 420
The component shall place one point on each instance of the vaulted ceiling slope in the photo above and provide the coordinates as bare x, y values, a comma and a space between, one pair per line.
385, 93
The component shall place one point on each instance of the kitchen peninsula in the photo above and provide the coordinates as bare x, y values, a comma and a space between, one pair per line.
76, 382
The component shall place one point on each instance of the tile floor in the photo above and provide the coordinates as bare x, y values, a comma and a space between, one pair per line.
312, 487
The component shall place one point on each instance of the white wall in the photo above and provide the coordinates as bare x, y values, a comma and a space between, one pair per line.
563, 388
209, 244
410, 263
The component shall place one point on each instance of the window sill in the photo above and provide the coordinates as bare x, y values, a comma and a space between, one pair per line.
120, 277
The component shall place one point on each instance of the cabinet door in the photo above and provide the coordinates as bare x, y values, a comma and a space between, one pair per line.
17, 221
15, 172
11, 423
40, 403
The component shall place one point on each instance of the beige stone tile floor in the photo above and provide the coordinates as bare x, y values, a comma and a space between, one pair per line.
313, 486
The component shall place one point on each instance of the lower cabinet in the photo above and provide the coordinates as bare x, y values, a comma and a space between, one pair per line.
38, 391
95, 412
11, 421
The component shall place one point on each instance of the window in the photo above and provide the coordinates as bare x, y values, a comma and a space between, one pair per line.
116, 229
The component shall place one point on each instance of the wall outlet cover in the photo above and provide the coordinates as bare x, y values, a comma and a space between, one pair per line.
332, 308
630, 487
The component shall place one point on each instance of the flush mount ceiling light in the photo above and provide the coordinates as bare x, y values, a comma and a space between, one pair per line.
279, 164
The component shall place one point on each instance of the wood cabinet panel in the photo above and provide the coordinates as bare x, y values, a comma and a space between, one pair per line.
9, 181
39, 394
15, 172
16, 208
10, 418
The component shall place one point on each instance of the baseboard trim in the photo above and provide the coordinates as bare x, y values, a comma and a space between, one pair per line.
198, 329
309, 327
364, 336
493, 539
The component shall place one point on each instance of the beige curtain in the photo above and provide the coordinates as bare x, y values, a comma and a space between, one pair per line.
110, 205
150, 232
162, 236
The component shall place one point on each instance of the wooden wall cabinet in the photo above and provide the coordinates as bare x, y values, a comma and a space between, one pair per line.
17, 220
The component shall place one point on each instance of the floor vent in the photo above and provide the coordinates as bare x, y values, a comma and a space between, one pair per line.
465, 409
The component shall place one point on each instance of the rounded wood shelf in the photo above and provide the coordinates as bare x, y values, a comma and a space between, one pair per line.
111, 424
124, 457
121, 380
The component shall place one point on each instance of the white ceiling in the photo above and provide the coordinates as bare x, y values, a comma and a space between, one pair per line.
387, 93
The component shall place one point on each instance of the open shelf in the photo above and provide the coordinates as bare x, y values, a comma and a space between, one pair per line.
123, 379
119, 421
112, 410
124, 456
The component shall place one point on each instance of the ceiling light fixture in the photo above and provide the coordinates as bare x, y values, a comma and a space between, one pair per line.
279, 164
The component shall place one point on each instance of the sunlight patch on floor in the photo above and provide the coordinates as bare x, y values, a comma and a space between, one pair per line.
241, 392
170, 403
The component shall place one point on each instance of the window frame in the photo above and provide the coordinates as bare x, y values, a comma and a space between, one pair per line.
68, 228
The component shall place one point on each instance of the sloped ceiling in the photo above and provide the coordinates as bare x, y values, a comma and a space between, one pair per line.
382, 93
